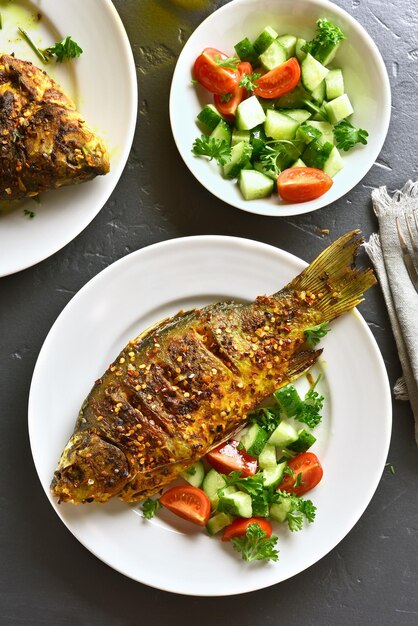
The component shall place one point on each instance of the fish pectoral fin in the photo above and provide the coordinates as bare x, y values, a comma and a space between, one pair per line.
300, 363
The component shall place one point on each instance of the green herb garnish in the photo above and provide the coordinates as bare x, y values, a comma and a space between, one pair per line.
30, 214
248, 81
255, 546
314, 334
266, 417
327, 35
225, 97
62, 50
150, 507
346, 135
213, 148
33, 45
298, 511
230, 62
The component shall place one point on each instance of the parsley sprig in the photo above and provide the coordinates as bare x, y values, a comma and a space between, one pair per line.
266, 417
229, 63
298, 510
249, 81
327, 35
150, 507
255, 546
213, 148
62, 50
346, 135
313, 402
270, 154
314, 334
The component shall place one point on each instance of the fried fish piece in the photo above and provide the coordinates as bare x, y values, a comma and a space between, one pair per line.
188, 383
44, 141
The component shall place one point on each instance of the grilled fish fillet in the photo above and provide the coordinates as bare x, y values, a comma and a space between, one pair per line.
188, 383
44, 141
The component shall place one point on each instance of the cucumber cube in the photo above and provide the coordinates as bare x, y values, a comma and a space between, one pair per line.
334, 163
240, 155
339, 108
267, 458
318, 94
274, 56
334, 83
255, 436
222, 132
298, 163
212, 483
288, 42
313, 72
279, 511
194, 474
273, 475
307, 133
304, 441
239, 135
280, 126
245, 51
265, 39
237, 503
325, 129
259, 167
255, 185
317, 154
300, 115
218, 522
209, 118
249, 114
300, 55
283, 435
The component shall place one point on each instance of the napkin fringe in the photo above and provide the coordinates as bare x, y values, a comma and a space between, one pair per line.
382, 202
373, 248
400, 389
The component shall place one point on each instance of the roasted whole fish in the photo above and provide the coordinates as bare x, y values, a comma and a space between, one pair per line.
45, 142
188, 383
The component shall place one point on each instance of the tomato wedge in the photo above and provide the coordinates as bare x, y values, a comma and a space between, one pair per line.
228, 458
301, 184
210, 75
227, 104
187, 502
279, 81
238, 528
310, 470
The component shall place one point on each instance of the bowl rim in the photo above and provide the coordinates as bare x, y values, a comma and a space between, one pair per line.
287, 210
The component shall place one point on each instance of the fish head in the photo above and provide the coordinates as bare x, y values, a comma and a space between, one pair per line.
90, 469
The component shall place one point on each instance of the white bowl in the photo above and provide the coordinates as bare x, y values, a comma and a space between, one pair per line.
365, 78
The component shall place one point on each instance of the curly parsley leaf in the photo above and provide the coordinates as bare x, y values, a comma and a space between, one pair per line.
65, 49
150, 507
346, 135
248, 81
253, 485
314, 334
269, 156
30, 214
230, 62
266, 417
225, 97
309, 412
298, 510
327, 36
255, 546
213, 148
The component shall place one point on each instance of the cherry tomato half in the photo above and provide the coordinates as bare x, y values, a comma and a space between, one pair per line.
227, 458
301, 184
238, 528
210, 75
187, 502
279, 81
310, 470
227, 104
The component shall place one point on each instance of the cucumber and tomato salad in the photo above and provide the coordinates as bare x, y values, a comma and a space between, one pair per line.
240, 485
279, 113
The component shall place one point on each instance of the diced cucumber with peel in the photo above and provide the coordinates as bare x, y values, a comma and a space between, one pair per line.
288, 400
280, 126
300, 115
258, 140
254, 186
321, 115
325, 129
313, 72
317, 154
283, 435
307, 133
249, 114
218, 522
288, 42
274, 56
327, 53
237, 503
267, 458
240, 155
339, 108
295, 99
212, 482
334, 84
240, 135
255, 437
304, 441
273, 475
318, 93
264, 39
280, 510
245, 51
334, 163
300, 54
259, 167
194, 474
298, 163
223, 132
209, 118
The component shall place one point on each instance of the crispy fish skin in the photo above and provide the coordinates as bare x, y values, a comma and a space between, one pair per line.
44, 141
189, 382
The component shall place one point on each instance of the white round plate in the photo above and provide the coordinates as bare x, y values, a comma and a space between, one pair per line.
135, 292
102, 82
365, 78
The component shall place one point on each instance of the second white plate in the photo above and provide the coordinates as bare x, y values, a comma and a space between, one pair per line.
129, 296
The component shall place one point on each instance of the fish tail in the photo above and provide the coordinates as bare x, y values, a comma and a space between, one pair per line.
334, 279
300, 363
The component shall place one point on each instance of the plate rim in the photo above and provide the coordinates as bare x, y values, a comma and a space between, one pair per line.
287, 210
118, 168
212, 239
